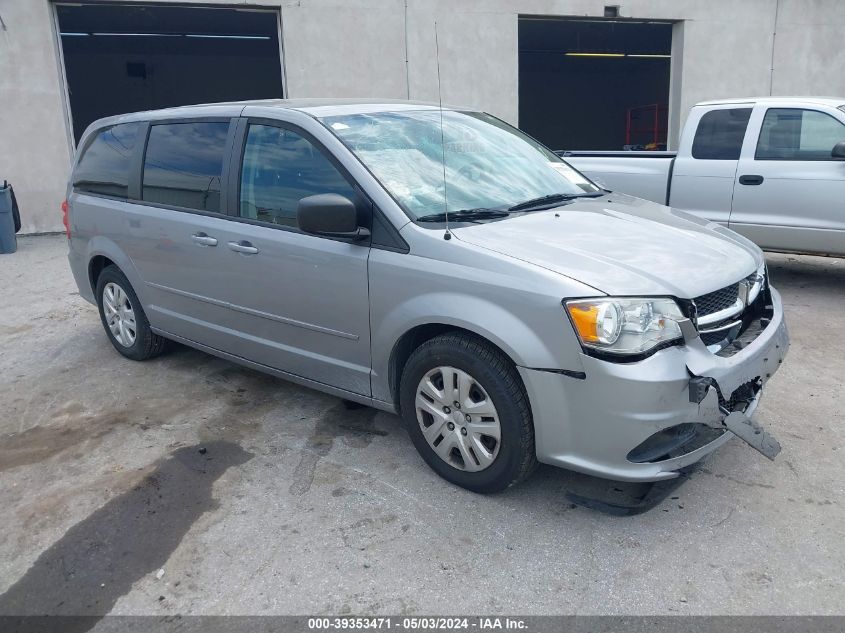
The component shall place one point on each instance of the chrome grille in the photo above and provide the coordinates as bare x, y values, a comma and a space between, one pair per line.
722, 299
718, 300
710, 338
721, 313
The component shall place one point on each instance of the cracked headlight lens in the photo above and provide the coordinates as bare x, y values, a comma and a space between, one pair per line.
625, 326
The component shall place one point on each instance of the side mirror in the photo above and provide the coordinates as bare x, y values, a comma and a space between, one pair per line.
330, 215
838, 151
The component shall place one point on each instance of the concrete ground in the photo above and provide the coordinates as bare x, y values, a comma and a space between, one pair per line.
296, 505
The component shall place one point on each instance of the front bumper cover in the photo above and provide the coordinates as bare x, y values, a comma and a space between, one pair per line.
592, 424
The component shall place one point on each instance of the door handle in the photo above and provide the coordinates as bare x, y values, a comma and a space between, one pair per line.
751, 180
243, 247
204, 240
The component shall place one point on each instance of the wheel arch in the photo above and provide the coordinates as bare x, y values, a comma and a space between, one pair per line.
418, 335
96, 265
103, 252
530, 331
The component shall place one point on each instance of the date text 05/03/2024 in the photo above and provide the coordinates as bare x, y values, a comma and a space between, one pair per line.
430, 623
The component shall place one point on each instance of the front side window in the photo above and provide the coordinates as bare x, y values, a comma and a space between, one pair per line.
720, 133
281, 167
104, 166
184, 164
487, 163
796, 134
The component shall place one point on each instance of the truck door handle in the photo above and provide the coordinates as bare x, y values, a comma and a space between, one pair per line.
751, 180
243, 247
204, 240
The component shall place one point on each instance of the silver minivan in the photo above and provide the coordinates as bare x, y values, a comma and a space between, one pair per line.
436, 263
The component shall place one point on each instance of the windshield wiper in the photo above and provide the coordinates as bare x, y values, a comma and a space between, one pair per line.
552, 199
464, 215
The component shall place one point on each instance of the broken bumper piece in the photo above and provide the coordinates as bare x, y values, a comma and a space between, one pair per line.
727, 390
715, 412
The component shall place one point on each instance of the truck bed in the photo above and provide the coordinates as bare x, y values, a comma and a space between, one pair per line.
642, 174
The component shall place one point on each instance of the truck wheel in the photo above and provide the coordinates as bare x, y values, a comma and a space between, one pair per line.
124, 319
467, 413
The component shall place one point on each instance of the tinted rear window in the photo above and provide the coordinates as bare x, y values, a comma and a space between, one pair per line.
720, 133
184, 164
103, 167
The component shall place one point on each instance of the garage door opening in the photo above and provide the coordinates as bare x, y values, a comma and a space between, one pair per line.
594, 84
121, 58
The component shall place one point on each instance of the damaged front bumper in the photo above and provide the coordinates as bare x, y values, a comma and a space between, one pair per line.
644, 421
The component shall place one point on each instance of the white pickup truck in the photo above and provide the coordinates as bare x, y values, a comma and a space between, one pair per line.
772, 169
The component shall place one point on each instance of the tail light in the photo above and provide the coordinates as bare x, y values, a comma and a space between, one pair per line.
65, 218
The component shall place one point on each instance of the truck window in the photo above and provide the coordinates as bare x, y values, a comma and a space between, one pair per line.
280, 168
103, 167
720, 133
796, 134
184, 164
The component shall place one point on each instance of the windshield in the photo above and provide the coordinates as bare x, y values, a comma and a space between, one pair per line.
488, 163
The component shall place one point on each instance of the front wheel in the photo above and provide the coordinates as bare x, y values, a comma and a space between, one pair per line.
467, 413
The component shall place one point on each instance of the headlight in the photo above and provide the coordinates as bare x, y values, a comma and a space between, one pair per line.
758, 282
625, 326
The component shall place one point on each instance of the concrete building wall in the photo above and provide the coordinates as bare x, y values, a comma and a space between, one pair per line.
345, 49
35, 142
386, 48
809, 56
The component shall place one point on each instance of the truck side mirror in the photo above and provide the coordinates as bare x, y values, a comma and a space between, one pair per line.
838, 151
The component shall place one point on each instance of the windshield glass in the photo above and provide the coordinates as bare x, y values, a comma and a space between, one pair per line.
489, 164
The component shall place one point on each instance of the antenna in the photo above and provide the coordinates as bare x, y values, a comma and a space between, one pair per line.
447, 235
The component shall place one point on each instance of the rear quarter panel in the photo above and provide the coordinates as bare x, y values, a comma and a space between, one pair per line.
98, 228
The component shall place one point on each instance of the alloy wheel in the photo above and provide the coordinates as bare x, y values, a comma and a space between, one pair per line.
120, 317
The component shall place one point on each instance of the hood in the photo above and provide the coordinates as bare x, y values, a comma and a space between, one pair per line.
622, 245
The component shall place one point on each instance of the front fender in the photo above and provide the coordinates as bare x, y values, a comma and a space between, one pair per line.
522, 340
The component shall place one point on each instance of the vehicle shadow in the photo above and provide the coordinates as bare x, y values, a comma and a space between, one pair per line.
614, 498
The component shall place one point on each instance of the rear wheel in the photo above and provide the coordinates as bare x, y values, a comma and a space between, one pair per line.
123, 317
467, 413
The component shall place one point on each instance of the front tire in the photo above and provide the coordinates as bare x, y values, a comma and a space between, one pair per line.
123, 318
467, 413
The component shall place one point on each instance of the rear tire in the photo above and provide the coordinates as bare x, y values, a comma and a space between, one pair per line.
123, 318
476, 431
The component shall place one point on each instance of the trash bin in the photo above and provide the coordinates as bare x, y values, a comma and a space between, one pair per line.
9, 224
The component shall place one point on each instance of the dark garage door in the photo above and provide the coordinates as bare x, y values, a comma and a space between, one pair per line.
594, 84
121, 58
